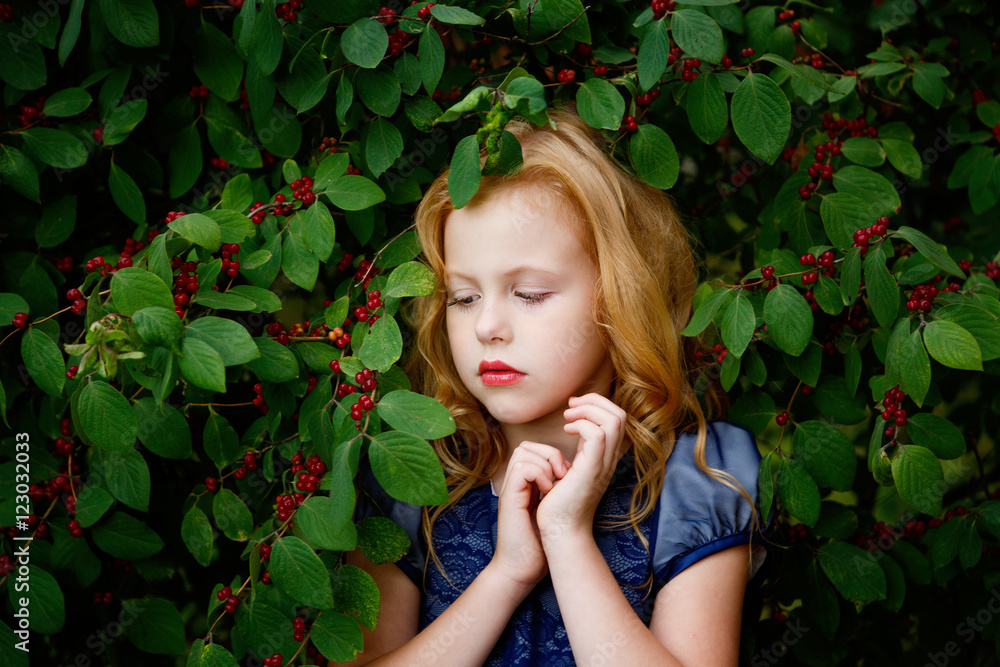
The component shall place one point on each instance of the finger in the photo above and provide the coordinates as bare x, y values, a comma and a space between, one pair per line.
557, 460
599, 401
526, 471
599, 414
589, 432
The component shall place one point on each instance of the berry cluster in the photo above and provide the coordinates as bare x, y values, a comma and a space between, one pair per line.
344, 264
398, 39
726, 62
198, 91
978, 97
288, 10
855, 128
354, 171
873, 231
258, 400
219, 163
228, 254
566, 76
781, 418
674, 54
747, 52
365, 272
646, 99
302, 190
965, 265
629, 125
74, 528
661, 8
328, 145
339, 338
311, 476
600, 70
30, 113
65, 265
274, 661
363, 405
185, 283
265, 552
922, 298
103, 598
790, 14
211, 484
796, 534
286, 504
424, 12
386, 15
20, 320
249, 463
688, 72
374, 303
891, 412
993, 270
6, 13
276, 329
231, 600
816, 61
299, 628
259, 211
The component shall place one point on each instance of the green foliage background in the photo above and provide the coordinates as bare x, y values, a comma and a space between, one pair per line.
117, 115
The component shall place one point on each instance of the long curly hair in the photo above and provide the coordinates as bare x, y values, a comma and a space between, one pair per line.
648, 273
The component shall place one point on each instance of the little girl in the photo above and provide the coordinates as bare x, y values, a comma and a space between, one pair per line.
554, 339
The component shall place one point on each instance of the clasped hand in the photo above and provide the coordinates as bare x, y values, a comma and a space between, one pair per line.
546, 497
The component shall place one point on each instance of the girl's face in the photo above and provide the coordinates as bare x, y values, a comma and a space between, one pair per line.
520, 290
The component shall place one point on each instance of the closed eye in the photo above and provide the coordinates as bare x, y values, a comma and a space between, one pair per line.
529, 299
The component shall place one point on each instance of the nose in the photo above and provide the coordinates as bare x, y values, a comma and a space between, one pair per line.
492, 322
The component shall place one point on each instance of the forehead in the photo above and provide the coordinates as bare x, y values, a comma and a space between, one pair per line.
525, 225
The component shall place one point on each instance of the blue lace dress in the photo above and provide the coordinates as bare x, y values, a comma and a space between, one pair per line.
699, 517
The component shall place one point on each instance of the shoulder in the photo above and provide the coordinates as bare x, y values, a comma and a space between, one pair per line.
697, 514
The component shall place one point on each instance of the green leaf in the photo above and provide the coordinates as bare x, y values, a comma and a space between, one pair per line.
654, 157
122, 121
228, 338
338, 637
106, 417
229, 135
762, 116
928, 84
44, 362
234, 227
365, 42
707, 311
198, 536
600, 104
464, 174
381, 540
869, 186
754, 410
936, 434
126, 194
57, 148
707, 110
300, 265
914, 368
379, 89
185, 161
654, 50
383, 344
698, 35
382, 143
132, 22
134, 289
982, 324
952, 346
826, 453
430, 52
850, 275
854, 572
416, 414
46, 608
738, 323
316, 519
220, 440
933, 251
67, 102
162, 428
216, 63
903, 156
525, 94
126, 475
409, 279
765, 487
297, 570
223, 301
156, 626
789, 319
266, 42
232, 516
919, 478
57, 223
123, 536
22, 64
199, 229
797, 491
265, 299
276, 362
864, 151
407, 468
456, 15
201, 365
842, 214
354, 193
17, 170
407, 70
883, 292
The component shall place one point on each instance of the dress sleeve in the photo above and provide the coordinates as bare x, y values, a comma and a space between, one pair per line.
697, 515
373, 500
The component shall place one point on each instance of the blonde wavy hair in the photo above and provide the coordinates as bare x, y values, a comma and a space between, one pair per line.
648, 275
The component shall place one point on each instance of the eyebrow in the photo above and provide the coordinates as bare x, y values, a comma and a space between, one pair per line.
517, 270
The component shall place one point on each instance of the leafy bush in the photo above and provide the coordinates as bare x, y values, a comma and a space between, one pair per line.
206, 237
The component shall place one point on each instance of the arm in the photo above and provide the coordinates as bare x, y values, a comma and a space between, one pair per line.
696, 616
464, 634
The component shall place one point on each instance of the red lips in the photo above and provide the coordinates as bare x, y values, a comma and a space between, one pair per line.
495, 365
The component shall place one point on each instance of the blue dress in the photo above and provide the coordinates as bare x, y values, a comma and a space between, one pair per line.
700, 517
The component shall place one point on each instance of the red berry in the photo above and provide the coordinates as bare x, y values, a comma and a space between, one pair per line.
782, 419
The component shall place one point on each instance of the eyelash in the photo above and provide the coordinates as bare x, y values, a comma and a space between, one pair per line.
531, 300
